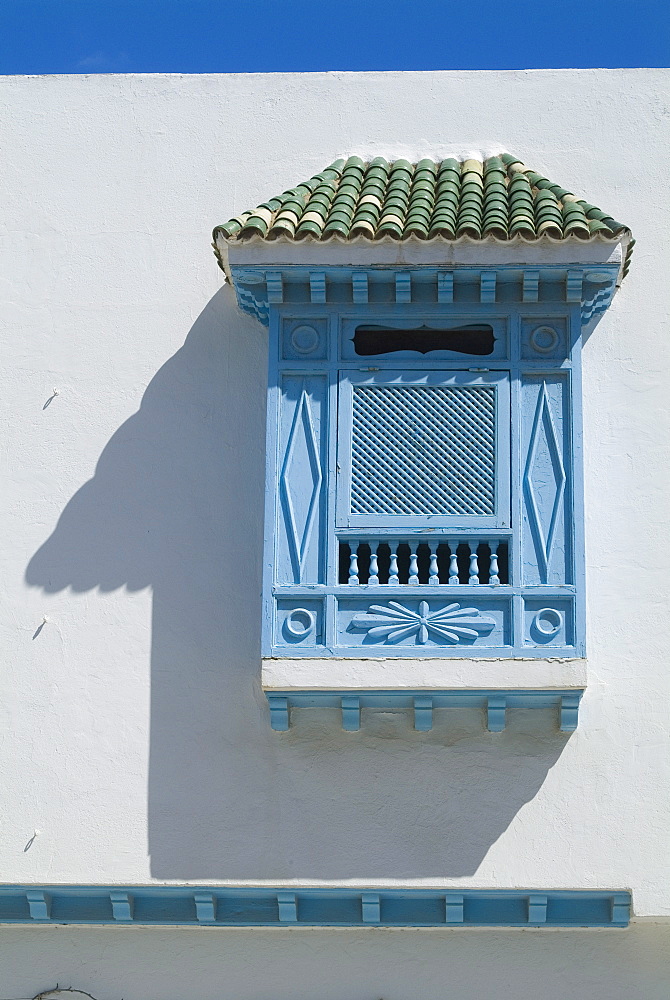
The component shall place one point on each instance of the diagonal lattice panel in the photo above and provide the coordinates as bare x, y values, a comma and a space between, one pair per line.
423, 450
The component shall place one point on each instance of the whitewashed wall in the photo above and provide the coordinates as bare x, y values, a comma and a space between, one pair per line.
207, 964
135, 736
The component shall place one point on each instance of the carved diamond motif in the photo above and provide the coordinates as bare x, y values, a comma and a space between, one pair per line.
544, 481
301, 466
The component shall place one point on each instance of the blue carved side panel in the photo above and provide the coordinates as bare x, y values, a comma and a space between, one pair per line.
545, 456
301, 469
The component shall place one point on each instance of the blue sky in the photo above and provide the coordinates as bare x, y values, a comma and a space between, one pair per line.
206, 36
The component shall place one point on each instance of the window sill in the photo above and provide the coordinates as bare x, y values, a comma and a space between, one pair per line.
423, 685
425, 673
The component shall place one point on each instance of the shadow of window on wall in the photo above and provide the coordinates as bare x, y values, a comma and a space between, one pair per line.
176, 504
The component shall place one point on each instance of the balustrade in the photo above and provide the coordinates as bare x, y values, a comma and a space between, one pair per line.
420, 561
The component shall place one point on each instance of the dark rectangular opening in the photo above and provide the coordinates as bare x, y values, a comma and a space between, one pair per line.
473, 338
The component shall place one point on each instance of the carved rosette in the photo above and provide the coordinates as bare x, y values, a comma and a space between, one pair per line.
395, 623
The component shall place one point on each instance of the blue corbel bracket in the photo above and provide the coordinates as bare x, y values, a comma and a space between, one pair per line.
313, 906
253, 304
454, 908
371, 908
598, 294
205, 907
359, 287
251, 288
279, 716
39, 904
287, 907
258, 289
537, 908
122, 905
423, 704
351, 713
496, 713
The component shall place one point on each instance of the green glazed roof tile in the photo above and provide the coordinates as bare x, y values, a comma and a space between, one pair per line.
499, 198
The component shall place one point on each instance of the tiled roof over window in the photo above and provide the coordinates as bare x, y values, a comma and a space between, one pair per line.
448, 199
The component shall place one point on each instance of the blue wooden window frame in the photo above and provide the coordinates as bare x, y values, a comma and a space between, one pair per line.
539, 612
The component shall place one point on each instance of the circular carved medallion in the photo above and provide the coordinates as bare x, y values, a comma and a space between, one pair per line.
300, 622
548, 621
544, 339
304, 339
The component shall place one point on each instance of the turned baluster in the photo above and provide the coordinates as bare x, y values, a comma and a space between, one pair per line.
474, 566
373, 578
453, 564
413, 565
433, 569
393, 564
353, 563
493, 565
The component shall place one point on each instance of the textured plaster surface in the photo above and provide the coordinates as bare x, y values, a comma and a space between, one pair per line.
154, 964
339, 672
136, 736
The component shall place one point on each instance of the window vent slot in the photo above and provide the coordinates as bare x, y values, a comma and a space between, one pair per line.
423, 450
471, 339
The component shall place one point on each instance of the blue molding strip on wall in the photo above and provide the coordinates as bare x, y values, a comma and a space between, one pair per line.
311, 907
422, 703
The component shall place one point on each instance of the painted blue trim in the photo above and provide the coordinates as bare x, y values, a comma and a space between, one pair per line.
272, 460
371, 908
592, 287
39, 904
359, 287
531, 285
403, 287
432, 652
569, 712
205, 907
423, 712
445, 287
307, 612
288, 907
515, 607
274, 906
454, 908
496, 710
487, 286
279, 712
537, 908
423, 703
122, 905
351, 712
575, 492
317, 287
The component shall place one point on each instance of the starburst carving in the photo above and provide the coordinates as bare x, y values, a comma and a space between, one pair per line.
395, 623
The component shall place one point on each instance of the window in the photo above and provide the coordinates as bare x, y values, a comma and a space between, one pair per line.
423, 499
424, 491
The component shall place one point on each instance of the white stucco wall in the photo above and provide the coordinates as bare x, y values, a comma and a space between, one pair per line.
201, 963
135, 736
